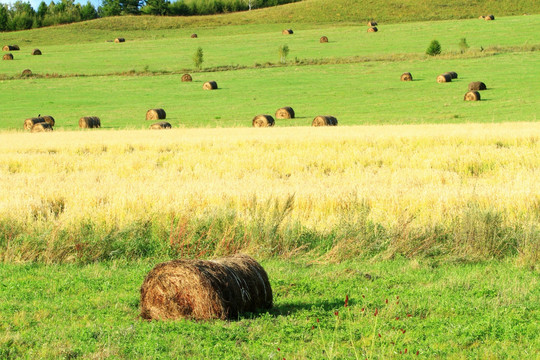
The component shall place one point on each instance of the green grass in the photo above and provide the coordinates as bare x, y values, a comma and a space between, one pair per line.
457, 311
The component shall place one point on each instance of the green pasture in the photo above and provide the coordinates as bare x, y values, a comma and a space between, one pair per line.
358, 93
456, 311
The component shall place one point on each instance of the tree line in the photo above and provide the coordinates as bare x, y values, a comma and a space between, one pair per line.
21, 15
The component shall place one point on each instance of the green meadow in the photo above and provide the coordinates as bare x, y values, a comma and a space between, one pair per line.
428, 307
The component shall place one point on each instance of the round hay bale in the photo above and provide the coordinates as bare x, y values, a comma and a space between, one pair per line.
42, 127
194, 36
482, 16
155, 114
187, 78
202, 289
372, 29
372, 23
263, 121
119, 40
406, 76
443, 78
30, 122
287, 32
489, 17
36, 52
472, 96
26, 72
11, 48
8, 56
89, 122
324, 120
210, 85
160, 125
286, 112
477, 85
452, 74
48, 119
323, 39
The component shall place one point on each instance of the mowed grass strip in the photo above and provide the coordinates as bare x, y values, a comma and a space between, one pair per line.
89, 53
440, 310
363, 93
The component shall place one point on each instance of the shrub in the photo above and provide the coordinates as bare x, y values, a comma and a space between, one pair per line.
283, 52
463, 46
198, 58
434, 48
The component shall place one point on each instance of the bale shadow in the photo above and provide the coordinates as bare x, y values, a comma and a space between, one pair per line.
291, 308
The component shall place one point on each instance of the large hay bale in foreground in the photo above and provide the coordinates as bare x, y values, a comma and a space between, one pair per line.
324, 120
372, 29
452, 74
477, 85
201, 290
8, 56
160, 125
372, 23
11, 48
263, 121
155, 114
186, 78
48, 119
472, 96
287, 32
210, 85
406, 76
36, 52
89, 122
119, 40
444, 78
30, 122
323, 39
286, 112
26, 72
42, 127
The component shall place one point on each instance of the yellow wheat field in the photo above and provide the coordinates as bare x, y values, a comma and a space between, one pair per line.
427, 173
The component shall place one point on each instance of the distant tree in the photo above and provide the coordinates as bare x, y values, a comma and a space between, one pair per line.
3, 17
198, 58
110, 8
88, 12
434, 48
156, 7
42, 10
130, 7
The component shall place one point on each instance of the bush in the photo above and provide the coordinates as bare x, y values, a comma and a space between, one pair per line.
434, 48
198, 58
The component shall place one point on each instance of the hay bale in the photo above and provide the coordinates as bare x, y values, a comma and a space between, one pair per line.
286, 112
48, 119
323, 39
489, 17
452, 74
36, 52
186, 78
477, 85
11, 48
89, 122
194, 36
324, 120
119, 40
42, 127
263, 121
372, 23
8, 56
210, 85
406, 76
472, 96
202, 290
287, 32
482, 17
372, 29
26, 72
443, 78
155, 114
160, 125
30, 122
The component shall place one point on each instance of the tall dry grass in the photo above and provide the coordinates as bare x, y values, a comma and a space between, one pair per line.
458, 191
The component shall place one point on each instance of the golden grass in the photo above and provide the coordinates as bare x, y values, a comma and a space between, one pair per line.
427, 173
